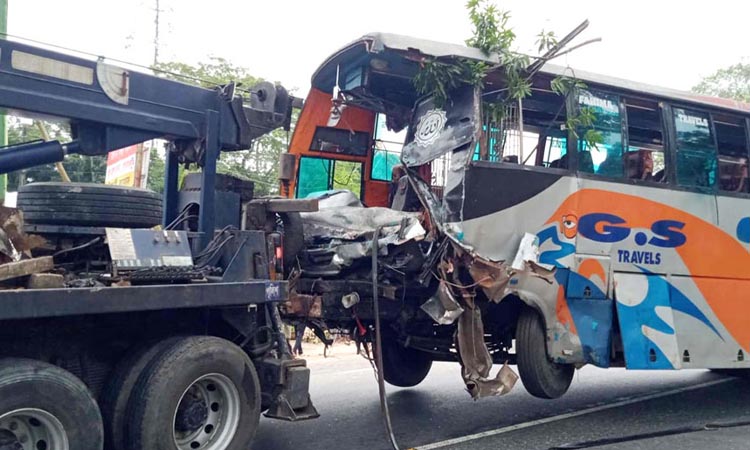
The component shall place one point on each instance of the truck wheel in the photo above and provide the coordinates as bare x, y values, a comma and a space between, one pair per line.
202, 393
87, 204
404, 367
541, 377
114, 398
45, 407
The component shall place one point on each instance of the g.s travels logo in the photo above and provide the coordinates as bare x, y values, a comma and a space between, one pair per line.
609, 228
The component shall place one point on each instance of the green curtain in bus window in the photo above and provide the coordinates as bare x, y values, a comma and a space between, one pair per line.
347, 175
314, 174
382, 165
696, 152
606, 157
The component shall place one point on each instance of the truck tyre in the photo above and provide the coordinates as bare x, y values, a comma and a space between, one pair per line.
201, 393
45, 407
540, 376
404, 367
88, 204
114, 398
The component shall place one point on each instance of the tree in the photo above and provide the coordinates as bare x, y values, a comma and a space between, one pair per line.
260, 162
91, 169
730, 82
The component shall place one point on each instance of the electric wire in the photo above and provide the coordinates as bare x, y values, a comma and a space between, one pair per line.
379, 342
121, 61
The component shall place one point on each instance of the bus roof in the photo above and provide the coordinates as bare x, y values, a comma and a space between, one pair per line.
411, 48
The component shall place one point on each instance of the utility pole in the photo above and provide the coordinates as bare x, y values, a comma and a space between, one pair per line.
3, 125
157, 23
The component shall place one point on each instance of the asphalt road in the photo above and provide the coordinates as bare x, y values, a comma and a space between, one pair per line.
438, 413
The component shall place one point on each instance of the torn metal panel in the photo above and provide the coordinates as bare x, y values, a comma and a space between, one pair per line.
436, 131
528, 251
476, 360
8, 252
304, 305
14, 243
492, 277
352, 223
336, 198
442, 307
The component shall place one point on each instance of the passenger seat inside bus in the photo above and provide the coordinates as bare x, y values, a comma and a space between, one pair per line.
585, 163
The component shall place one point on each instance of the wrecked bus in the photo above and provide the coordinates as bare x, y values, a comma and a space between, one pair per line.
518, 241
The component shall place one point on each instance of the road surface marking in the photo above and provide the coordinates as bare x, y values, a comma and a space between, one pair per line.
533, 423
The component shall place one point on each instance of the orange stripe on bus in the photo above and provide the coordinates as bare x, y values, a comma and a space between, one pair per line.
708, 251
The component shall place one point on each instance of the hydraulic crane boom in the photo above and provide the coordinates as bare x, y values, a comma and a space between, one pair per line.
110, 107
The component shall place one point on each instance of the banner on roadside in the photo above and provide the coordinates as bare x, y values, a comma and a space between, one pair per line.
128, 166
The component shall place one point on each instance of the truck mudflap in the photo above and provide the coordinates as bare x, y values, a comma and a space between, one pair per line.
285, 384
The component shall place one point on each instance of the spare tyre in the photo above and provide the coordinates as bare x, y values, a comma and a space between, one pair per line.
88, 204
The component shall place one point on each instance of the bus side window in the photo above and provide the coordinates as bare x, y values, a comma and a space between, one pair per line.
604, 157
555, 150
696, 152
644, 159
732, 141
323, 174
386, 151
540, 139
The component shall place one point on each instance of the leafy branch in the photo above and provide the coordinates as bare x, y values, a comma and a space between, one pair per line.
493, 36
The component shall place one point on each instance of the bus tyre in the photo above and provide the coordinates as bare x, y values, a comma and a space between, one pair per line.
45, 407
114, 398
404, 367
738, 373
541, 377
201, 393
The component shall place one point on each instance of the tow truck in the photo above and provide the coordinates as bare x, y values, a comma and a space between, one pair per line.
130, 320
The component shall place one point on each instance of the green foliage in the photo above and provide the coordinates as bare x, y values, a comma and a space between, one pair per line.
258, 164
545, 40
730, 82
564, 86
156, 170
493, 36
217, 71
491, 33
585, 119
439, 78
89, 169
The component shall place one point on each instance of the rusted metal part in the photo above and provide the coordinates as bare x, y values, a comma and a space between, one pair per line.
476, 361
442, 307
281, 205
14, 243
492, 277
304, 305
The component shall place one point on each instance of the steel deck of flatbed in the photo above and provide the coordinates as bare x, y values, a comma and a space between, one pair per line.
41, 303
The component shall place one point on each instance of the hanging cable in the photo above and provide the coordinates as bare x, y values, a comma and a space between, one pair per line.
379, 342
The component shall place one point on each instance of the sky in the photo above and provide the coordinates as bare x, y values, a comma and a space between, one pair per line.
662, 42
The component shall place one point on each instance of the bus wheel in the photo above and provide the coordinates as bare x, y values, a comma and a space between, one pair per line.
541, 377
45, 407
739, 373
201, 393
404, 367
